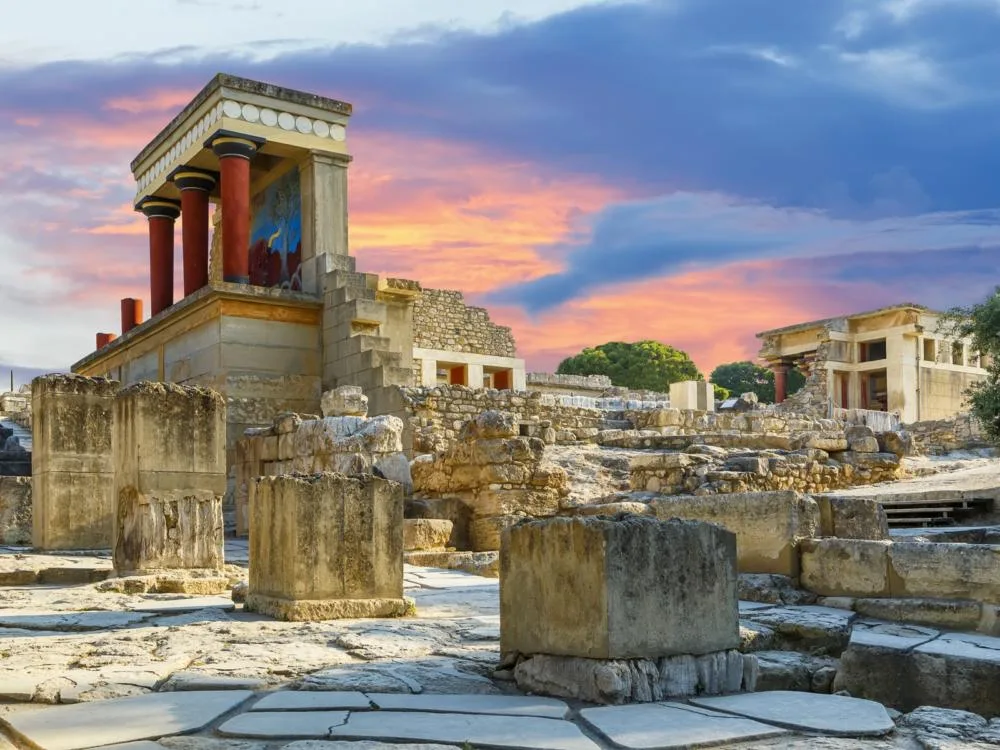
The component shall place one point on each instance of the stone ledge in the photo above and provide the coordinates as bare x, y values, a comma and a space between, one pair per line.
327, 609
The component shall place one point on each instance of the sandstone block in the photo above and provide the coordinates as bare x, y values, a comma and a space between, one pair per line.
426, 533
72, 464
845, 567
169, 446
768, 525
489, 424
945, 571
345, 401
485, 533
622, 588
15, 510
326, 546
850, 517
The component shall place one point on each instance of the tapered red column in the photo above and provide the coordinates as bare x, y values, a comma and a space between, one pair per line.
103, 339
195, 186
131, 314
235, 151
161, 213
780, 381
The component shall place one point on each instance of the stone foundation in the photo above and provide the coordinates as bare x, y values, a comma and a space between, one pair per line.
15, 510
326, 546
72, 466
170, 476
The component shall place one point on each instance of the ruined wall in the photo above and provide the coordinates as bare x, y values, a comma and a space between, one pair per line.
442, 320
813, 398
576, 385
937, 437
436, 415
15, 510
942, 391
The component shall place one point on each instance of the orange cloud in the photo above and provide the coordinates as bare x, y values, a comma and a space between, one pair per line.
159, 100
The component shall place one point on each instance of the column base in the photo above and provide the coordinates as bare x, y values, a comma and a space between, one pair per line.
197, 581
303, 610
236, 279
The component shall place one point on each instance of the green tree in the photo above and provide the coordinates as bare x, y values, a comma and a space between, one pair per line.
981, 324
747, 377
643, 365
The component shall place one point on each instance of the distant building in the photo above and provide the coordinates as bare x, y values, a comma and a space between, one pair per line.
895, 359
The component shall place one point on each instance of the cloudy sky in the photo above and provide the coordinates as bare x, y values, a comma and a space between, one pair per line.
692, 171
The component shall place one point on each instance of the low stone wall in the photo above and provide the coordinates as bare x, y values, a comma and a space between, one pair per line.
436, 415
938, 437
580, 385
784, 426
878, 569
15, 510
442, 320
809, 470
293, 445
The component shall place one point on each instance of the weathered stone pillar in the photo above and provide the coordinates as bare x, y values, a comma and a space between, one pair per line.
170, 476
323, 186
72, 467
235, 152
780, 381
326, 546
620, 610
131, 314
161, 214
195, 185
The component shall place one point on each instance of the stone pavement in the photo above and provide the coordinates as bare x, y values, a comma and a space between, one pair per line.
164, 665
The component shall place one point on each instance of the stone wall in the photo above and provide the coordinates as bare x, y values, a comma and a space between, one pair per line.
491, 478
813, 398
578, 385
442, 320
293, 445
15, 510
937, 437
436, 415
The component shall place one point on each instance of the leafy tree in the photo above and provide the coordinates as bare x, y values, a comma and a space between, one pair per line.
721, 394
643, 365
747, 377
981, 324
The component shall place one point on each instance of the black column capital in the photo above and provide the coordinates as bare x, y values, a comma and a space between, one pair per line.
155, 207
232, 143
192, 178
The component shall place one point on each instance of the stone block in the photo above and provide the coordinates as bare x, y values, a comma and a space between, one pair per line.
945, 571
768, 525
72, 463
326, 546
485, 533
845, 567
345, 401
169, 444
621, 588
426, 533
850, 517
15, 510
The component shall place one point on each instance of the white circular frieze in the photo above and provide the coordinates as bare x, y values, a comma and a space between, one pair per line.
232, 109
269, 117
303, 124
251, 113
321, 129
338, 132
286, 121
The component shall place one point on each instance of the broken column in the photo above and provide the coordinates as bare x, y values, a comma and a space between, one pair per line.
326, 546
72, 467
619, 610
170, 476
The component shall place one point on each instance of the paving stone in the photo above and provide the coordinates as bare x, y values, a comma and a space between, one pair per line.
812, 712
811, 628
202, 681
360, 745
71, 621
510, 705
283, 724
312, 700
185, 604
660, 726
140, 745
123, 720
525, 732
890, 634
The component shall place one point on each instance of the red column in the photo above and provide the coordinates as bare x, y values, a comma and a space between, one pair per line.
103, 339
235, 151
780, 381
161, 214
131, 314
195, 186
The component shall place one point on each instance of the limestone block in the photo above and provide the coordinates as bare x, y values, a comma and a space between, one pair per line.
945, 571
72, 464
845, 567
15, 510
426, 533
345, 401
169, 444
620, 588
485, 533
396, 468
489, 424
850, 517
768, 525
326, 546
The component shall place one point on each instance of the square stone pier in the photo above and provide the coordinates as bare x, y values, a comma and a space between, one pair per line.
72, 467
170, 476
326, 546
621, 609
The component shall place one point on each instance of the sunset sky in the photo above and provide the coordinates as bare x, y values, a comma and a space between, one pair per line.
691, 171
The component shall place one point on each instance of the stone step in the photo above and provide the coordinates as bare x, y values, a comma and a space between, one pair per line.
478, 563
364, 342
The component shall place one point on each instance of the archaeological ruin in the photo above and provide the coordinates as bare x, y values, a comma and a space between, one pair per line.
305, 502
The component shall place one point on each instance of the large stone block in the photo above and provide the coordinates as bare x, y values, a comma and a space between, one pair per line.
945, 571
170, 461
768, 525
621, 588
326, 546
15, 510
850, 517
72, 463
845, 567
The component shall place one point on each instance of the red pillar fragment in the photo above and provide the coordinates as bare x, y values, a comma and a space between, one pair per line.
161, 214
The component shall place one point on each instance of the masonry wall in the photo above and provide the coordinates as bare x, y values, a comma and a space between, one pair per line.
940, 436
442, 320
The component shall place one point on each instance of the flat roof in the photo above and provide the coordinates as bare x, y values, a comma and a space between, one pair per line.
824, 321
